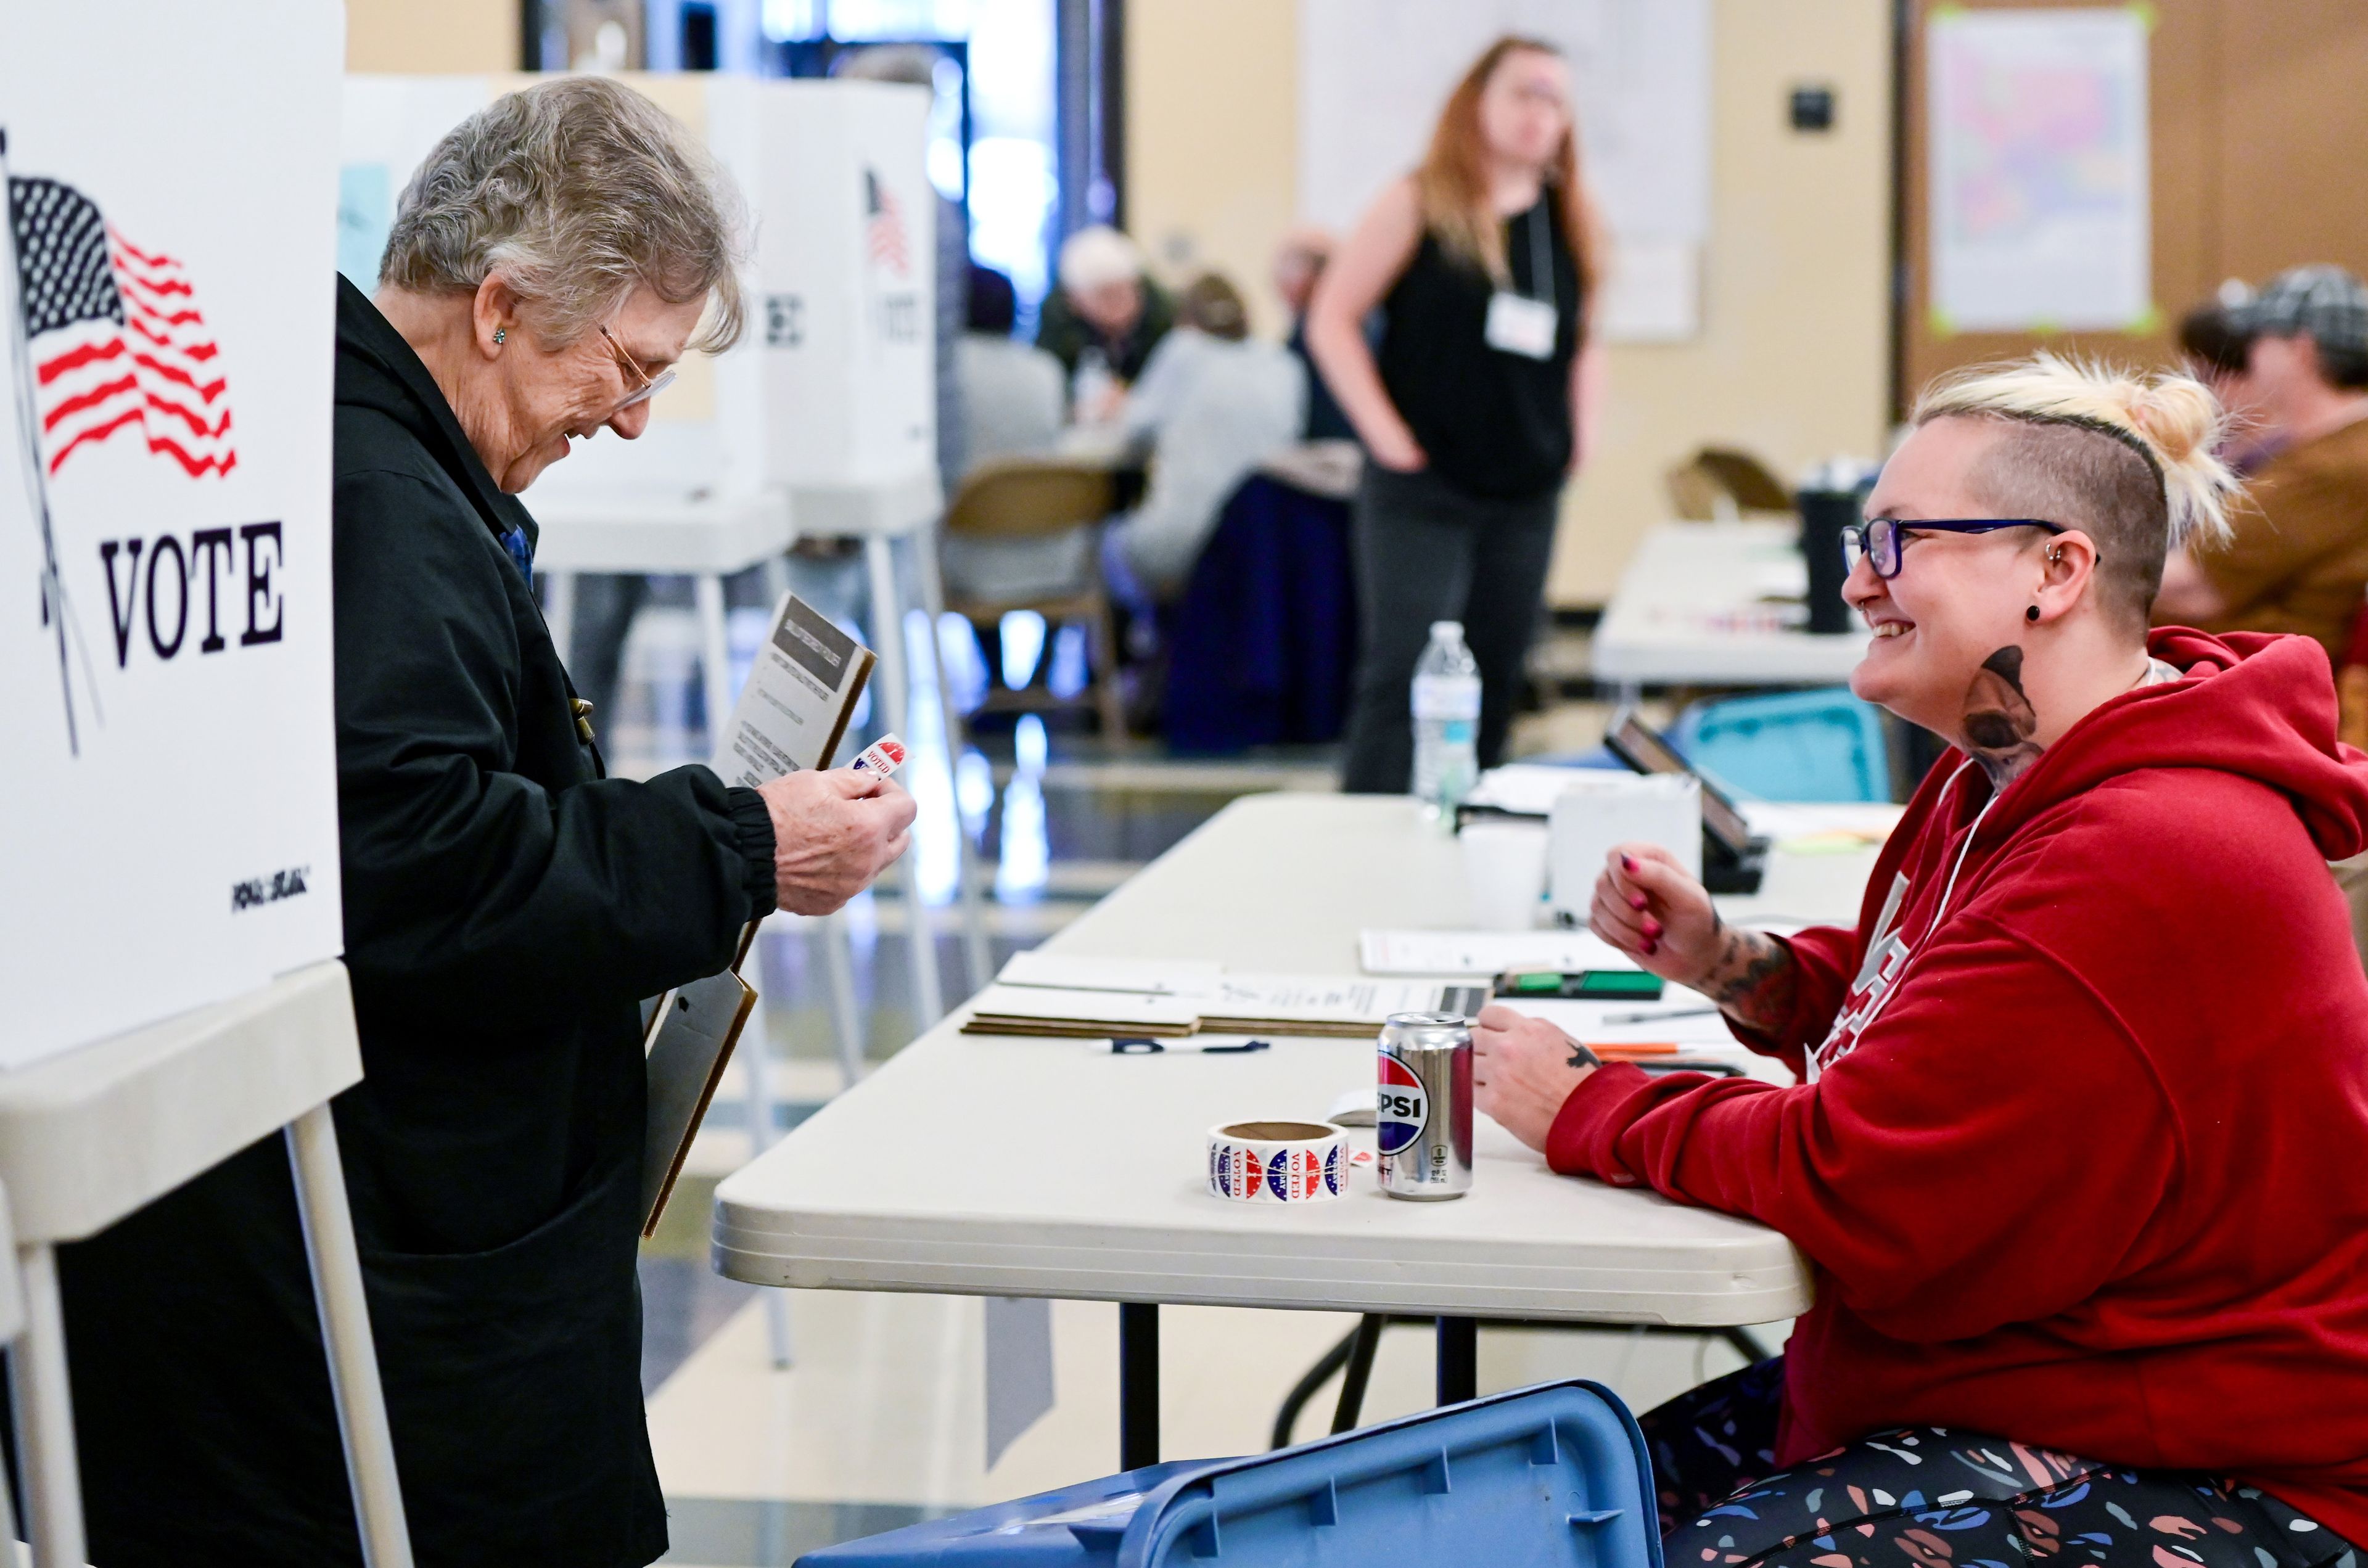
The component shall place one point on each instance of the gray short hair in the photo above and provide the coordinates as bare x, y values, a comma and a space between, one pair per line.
577, 191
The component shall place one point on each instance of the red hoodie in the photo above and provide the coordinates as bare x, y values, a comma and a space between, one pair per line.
2085, 1162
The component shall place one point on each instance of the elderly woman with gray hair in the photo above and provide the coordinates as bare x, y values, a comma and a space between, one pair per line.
506, 904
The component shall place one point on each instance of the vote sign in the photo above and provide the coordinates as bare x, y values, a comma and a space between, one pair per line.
167, 766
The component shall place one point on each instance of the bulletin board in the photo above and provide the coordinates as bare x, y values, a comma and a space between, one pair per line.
2255, 136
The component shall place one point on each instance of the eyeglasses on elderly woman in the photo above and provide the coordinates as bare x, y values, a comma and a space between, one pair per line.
640, 385
1884, 540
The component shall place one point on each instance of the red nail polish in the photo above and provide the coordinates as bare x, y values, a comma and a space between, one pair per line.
1635, 901
1651, 947
1626, 864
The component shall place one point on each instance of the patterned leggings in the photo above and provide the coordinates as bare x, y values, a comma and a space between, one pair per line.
1923, 1497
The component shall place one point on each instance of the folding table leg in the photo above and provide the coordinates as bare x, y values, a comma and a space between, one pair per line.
839, 978
757, 1061
47, 1476
1138, 1384
976, 957
715, 655
1459, 1360
888, 631
329, 1245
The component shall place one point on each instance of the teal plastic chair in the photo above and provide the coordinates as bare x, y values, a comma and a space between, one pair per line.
1797, 746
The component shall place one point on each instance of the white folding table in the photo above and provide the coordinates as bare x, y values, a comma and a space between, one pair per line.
89, 1136
1037, 1169
1708, 604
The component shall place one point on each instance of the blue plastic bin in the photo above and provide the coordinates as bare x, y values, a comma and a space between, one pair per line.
1798, 746
1553, 1476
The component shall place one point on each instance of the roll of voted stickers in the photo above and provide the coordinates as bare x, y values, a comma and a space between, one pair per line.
882, 756
1279, 1162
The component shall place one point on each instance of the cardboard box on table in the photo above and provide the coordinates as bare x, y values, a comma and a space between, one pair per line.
832, 383
168, 831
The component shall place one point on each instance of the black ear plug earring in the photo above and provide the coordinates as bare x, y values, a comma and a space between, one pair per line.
2030, 614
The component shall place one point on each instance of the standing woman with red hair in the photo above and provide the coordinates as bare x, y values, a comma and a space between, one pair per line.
1475, 405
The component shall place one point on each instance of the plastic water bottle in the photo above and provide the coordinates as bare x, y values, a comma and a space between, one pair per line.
1446, 721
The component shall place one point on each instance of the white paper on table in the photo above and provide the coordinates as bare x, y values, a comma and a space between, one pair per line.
1302, 998
1019, 1369
1701, 1033
1524, 789
1485, 952
1064, 971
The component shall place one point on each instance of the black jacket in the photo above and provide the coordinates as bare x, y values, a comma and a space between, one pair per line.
506, 906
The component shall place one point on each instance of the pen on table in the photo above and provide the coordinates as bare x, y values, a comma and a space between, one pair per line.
1634, 1047
1657, 1016
1143, 1045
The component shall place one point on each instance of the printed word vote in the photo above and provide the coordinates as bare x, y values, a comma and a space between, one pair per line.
216, 576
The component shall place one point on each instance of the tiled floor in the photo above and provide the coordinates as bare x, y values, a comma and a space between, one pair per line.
880, 1420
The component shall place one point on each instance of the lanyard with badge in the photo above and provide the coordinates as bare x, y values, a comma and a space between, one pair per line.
1517, 323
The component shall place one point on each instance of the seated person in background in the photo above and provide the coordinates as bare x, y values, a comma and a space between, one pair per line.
1105, 304
1012, 400
1297, 265
1010, 395
2075, 1154
2298, 559
2219, 356
1212, 403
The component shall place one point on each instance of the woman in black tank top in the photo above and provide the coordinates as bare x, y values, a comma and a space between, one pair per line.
1473, 409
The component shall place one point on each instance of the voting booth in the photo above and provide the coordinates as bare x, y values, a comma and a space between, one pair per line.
170, 868
832, 384
169, 775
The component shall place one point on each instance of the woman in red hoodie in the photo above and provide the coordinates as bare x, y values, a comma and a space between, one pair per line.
2080, 1148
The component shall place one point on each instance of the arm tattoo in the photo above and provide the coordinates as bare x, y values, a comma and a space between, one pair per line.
1753, 979
1582, 1057
2000, 721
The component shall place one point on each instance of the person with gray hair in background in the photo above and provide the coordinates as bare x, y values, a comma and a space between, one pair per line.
506, 907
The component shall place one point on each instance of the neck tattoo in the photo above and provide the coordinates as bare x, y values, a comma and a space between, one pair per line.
2000, 721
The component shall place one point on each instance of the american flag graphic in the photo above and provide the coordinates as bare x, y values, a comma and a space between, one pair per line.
883, 229
116, 340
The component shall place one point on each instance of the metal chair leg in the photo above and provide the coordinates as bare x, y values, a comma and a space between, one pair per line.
1353, 1360
1109, 702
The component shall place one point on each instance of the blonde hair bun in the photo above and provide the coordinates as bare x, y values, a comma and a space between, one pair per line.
2172, 419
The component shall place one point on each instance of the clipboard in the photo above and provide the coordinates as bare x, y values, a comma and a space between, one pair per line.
687, 1035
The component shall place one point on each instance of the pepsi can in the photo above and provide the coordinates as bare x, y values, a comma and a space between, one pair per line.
1423, 1110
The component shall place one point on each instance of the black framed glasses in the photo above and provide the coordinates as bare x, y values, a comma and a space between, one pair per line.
649, 386
1884, 540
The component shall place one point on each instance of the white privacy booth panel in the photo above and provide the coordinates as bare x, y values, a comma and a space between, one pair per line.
832, 381
167, 772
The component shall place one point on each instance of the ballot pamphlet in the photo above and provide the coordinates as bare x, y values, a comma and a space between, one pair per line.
801, 690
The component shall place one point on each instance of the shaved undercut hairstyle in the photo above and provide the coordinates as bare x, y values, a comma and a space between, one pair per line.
2125, 457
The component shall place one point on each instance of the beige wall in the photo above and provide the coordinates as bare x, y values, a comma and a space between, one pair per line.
431, 36
1792, 360
1213, 138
